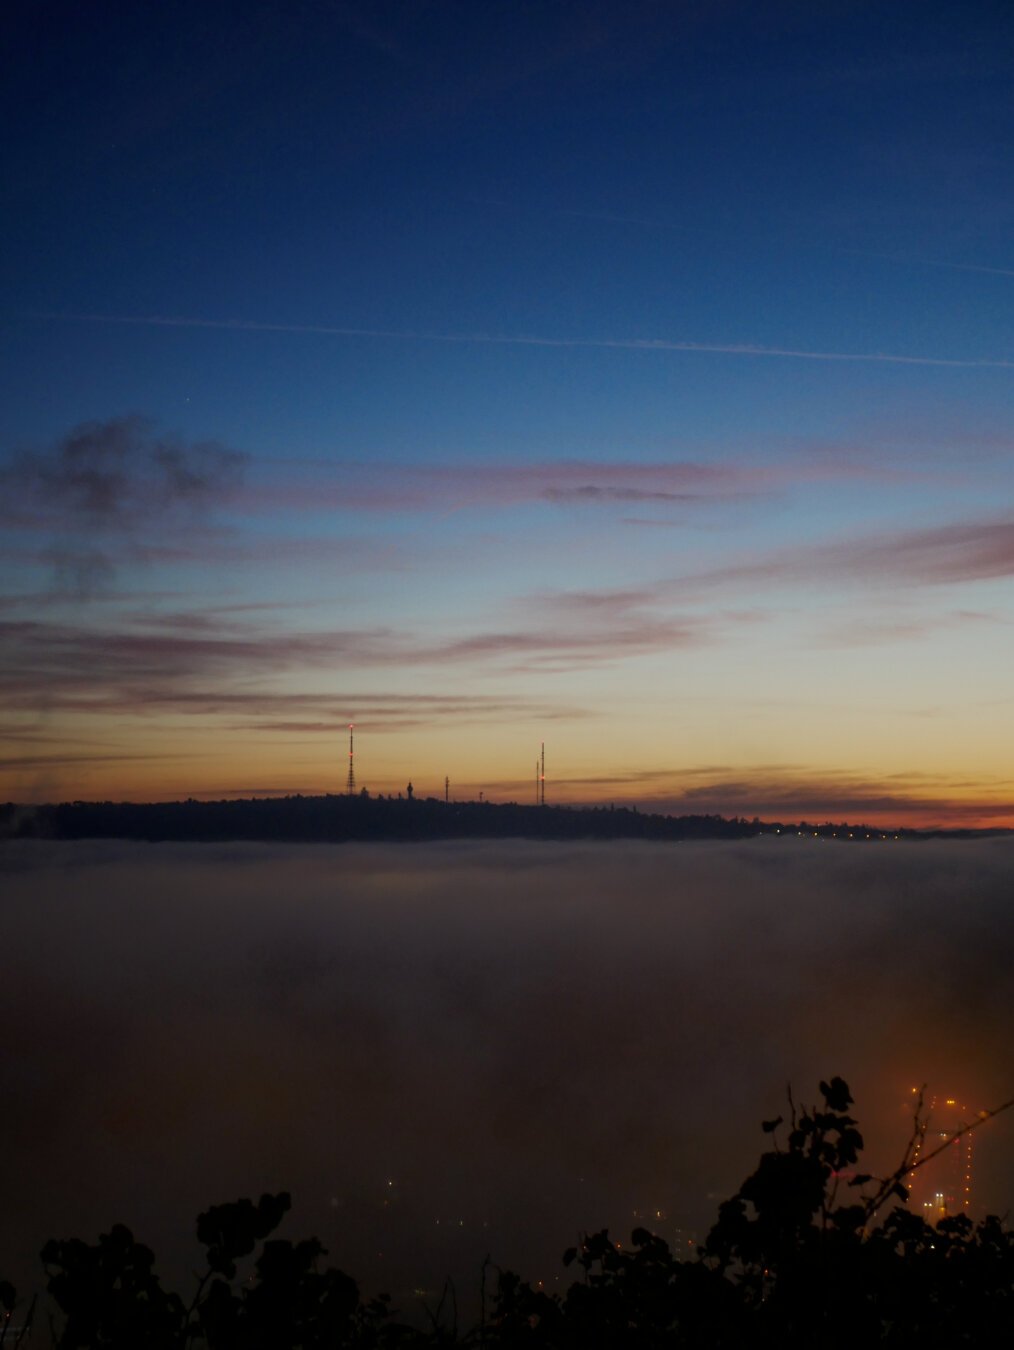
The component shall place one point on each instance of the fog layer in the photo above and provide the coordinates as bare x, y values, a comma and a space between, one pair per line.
448, 1050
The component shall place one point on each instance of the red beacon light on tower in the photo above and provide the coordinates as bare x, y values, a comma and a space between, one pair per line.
350, 783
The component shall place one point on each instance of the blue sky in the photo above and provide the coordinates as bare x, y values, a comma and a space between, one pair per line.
634, 377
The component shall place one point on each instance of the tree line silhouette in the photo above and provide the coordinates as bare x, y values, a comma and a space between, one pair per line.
806, 1252
337, 818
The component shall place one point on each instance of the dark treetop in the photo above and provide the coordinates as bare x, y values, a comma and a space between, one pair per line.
339, 818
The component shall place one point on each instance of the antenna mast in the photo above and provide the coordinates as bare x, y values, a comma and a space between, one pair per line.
350, 786
542, 777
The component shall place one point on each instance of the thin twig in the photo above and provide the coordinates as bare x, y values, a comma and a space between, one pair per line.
191, 1330
26, 1326
435, 1317
482, 1299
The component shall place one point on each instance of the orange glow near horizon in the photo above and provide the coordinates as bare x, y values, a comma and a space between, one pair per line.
218, 768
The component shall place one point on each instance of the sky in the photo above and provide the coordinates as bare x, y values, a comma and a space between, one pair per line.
633, 378
520, 1040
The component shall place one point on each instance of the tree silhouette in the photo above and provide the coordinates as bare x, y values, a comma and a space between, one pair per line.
111, 1300
801, 1253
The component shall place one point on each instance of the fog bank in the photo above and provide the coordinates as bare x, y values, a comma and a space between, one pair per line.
519, 1040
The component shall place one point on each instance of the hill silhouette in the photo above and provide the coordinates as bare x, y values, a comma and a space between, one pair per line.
333, 818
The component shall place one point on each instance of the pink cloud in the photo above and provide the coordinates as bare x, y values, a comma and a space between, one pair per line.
131, 659
394, 487
322, 486
977, 550
146, 663
795, 793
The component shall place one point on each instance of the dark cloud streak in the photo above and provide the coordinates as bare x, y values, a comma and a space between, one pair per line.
109, 489
154, 659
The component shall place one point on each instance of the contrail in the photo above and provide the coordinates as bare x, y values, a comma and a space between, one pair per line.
529, 340
912, 261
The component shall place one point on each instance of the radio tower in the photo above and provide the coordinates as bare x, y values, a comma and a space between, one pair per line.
542, 777
350, 786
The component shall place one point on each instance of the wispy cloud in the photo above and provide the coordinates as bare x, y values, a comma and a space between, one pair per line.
800, 792
545, 650
109, 475
975, 550
743, 349
66, 758
589, 492
289, 718
96, 490
93, 666
314, 486
970, 551
891, 628
317, 486
822, 796
199, 662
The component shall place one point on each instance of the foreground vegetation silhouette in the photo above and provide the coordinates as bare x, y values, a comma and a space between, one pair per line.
802, 1252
